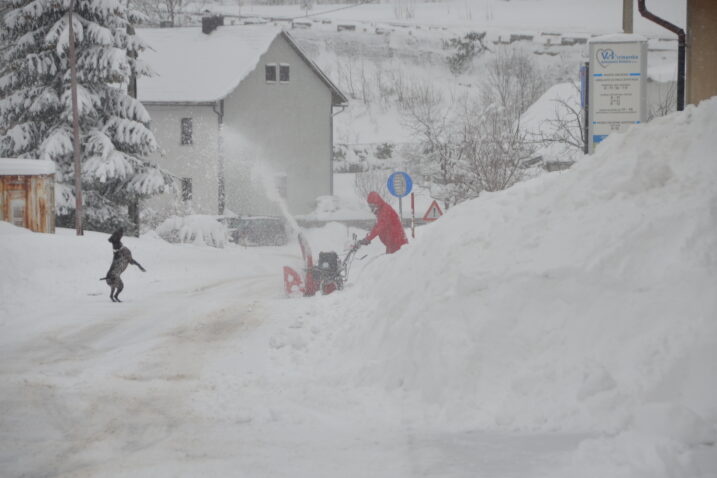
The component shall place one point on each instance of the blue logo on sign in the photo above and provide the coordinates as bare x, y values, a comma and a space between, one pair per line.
607, 56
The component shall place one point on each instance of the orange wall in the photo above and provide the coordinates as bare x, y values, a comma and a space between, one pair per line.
38, 193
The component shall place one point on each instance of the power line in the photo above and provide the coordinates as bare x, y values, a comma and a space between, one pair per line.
229, 15
363, 2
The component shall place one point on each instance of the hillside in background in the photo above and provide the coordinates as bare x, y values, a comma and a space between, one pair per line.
377, 53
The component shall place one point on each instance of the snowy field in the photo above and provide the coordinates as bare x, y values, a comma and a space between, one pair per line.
595, 16
400, 43
561, 328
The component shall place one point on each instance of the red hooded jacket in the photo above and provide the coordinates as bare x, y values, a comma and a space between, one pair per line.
388, 226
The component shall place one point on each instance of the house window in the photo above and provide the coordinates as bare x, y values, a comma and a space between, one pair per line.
186, 189
186, 131
284, 73
270, 73
280, 183
17, 208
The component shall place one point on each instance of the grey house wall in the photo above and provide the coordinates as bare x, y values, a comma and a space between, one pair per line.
278, 129
197, 161
269, 130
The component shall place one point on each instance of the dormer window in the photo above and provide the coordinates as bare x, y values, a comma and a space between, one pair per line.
274, 73
270, 73
284, 73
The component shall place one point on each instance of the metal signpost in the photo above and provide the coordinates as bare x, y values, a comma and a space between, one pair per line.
400, 185
617, 89
584, 97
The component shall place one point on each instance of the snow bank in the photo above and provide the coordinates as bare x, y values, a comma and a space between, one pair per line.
572, 302
196, 229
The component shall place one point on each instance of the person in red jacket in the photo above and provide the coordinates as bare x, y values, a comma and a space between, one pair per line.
388, 226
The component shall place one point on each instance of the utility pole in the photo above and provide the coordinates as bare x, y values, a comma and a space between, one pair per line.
75, 124
133, 207
627, 16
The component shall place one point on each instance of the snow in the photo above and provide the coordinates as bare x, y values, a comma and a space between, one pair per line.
543, 15
662, 73
217, 62
563, 327
26, 166
618, 38
541, 119
348, 204
194, 229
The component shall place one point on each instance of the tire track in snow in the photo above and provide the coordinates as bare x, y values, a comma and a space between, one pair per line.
119, 384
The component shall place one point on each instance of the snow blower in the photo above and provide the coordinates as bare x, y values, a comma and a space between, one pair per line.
328, 275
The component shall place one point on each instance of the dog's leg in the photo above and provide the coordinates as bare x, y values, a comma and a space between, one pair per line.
132, 261
112, 292
120, 286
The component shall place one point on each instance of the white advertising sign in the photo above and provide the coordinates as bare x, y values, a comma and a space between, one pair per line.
617, 87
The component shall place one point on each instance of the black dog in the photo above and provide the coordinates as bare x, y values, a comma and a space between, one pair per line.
121, 259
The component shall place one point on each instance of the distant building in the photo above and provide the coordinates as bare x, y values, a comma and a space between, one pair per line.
27, 193
273, 106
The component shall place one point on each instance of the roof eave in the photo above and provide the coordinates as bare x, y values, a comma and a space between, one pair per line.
179, 103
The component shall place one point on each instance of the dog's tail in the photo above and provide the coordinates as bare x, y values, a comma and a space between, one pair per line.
103, 278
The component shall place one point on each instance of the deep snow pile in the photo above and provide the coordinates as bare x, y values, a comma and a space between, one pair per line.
195, 228
581, 300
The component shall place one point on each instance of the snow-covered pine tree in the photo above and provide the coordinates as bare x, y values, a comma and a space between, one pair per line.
36, 108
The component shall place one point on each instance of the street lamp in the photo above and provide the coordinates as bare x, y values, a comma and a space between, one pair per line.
75, 124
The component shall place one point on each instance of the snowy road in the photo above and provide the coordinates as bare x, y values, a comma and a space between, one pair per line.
212, 374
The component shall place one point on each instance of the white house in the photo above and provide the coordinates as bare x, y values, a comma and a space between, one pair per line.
240, 114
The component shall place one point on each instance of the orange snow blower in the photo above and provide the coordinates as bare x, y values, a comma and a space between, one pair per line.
328, 275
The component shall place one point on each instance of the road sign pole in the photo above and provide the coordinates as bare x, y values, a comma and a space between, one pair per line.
413, 217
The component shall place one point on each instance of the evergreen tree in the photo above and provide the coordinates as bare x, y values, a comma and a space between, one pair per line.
36, 105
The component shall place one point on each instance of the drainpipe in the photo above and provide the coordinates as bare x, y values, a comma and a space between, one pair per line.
331, 139
343, 108
220, 156
680, 50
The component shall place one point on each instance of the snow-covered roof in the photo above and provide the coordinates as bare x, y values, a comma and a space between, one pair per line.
25, 167
618, 38
662, 73
195, 67
192, 66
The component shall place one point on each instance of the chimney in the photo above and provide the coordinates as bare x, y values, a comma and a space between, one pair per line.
209, 24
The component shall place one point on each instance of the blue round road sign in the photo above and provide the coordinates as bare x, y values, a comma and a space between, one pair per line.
399, 184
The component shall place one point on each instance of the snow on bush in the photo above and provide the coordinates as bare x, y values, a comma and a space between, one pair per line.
195, 229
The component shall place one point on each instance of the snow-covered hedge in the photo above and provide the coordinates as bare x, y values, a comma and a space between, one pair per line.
194, 229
